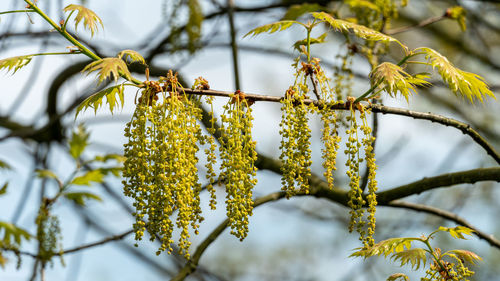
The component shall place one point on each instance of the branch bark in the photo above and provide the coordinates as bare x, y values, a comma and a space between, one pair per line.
320, 189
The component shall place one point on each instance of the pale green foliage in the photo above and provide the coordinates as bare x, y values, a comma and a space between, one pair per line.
398, 276
414, 256
12, 238
457, 232
459, 14
464, 255
386, 247
12, 233
297, 10
272, 27
78, 142
3, 190
80, 197
393, 79
108, 68
15, 63
362, 4
90, 19
93, 176
46, 174
358, 30
4, 165
470, 85
117, 157
131, 55
400, 251
114, 96
303, 42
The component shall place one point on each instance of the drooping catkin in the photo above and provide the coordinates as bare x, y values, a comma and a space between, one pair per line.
238, 156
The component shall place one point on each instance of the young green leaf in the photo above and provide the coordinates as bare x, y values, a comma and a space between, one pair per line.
385, 247
80, 197
468, 256
398, 276
4, 166
48, 174
88, 178
115, 171
110, 68
297, 10
414, 256
117, 157
15, 63
362, 4
272, 27
457, 232
131, 55
303, 42
95, 100
470, 85
459, 14
78, 142
393, 79
90, 19
358, 30
3, 190
3, 261
10, 231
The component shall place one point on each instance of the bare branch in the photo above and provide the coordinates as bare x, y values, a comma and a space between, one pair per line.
465, 128
446, 215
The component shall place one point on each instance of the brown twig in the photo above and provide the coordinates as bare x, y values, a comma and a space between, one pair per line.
420, 24
377, 108
446, 215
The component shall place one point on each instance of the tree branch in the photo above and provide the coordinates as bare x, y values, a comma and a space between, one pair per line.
377, 108
320, 189
446, 215
445, 180
98, 243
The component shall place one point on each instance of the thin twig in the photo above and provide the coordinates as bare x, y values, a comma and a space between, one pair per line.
446, 215
98, 243
420, 24
234, 46
320, 189
377, 108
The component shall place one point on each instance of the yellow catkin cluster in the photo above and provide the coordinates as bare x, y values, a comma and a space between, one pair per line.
295, 142
48, 234
295, 132
160, 171
368, 141
365, 228
356, 200
451, 271
331, 140
330, 131
211, 157
237, 151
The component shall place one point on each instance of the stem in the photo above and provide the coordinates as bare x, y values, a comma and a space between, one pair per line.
66, 21
308, 44
234, 46
84, 50
436, 258
63, 32
17, 11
